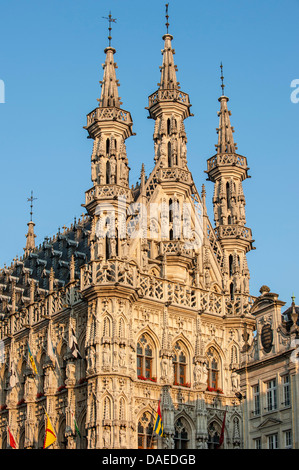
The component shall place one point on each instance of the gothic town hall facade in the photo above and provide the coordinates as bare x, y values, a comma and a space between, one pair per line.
145, 300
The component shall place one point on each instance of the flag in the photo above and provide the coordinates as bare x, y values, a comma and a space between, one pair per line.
74, 346
158, 426
11, 440
32, 361
221, 438
76, 426
13, 380
51, 351
50, 436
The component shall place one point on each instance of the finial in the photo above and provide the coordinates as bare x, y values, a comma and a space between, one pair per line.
166, 16
31, 199
110, 20
222, 85
293, 299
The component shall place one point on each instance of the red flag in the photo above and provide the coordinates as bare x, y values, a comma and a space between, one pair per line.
12, 442
221, 439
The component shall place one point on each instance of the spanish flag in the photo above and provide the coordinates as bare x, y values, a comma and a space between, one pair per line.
50, 436
158, 426
33, 365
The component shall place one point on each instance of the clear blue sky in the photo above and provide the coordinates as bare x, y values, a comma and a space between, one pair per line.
50, 61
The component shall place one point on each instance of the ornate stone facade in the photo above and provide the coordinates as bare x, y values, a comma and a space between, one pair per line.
157, 298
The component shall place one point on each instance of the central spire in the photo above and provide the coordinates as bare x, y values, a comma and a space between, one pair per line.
169, 107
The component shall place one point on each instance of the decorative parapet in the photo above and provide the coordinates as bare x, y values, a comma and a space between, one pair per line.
233, 231
109, 114
106, 191
227, 160
168, 95
51, 304
117, 272
174, 174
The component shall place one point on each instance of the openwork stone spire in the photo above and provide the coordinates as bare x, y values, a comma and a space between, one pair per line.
225, 131
109, 94
168, 69
169, 107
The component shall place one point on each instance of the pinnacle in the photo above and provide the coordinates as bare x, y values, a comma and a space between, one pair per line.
225, 131
168, 69
109, 84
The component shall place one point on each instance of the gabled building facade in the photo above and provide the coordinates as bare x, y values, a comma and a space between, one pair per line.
140, 301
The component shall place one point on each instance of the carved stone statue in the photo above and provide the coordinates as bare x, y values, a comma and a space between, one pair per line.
235, 381
106, 437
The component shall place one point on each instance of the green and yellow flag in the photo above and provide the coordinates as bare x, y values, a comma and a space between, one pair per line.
32, 361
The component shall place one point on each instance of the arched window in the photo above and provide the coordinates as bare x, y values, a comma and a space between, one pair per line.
227, 194
42, 373
179, 365
41, 437
107, 409
145, 431
168, 126
108, 172
63, 364
213, 369
234, 355
121, 328
230, 262
22, 377
145, 358
107, 146
122, 409
231, 291
169, 153
170, 210
61, 435
107, 327
181, 436
22, 439
213, 435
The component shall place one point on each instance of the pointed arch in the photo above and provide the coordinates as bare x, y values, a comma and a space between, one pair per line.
122, 409
107, 407
184, 432
81, 422
61, 438
145, 429
214, 357
107, 326
146, 356
121, 330
181, 360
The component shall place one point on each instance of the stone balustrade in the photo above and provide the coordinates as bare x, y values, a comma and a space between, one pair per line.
108, 114
227, 159
233, 231
168, 95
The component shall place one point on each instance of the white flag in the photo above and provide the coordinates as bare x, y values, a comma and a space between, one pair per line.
13, 379
74, 346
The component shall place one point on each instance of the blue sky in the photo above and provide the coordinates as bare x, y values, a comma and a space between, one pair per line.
51, 63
